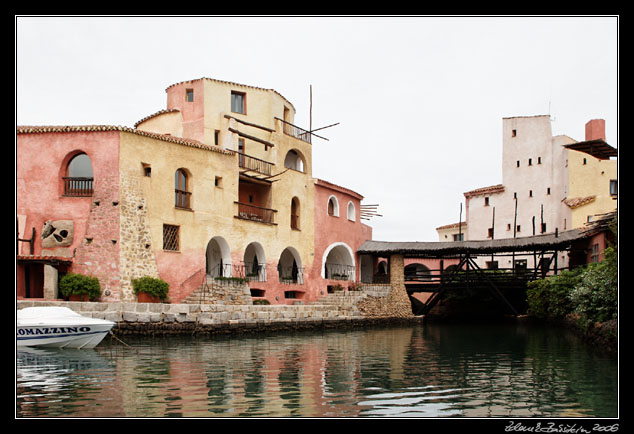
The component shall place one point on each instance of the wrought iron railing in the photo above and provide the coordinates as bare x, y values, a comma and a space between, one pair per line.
245, 270
339, 271
78, 187
256, 213
291, 275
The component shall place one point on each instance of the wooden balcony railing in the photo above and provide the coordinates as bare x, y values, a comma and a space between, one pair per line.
256, 213
78, 187
251, 163
295, 131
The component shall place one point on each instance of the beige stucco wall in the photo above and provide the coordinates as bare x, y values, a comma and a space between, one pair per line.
213, 208
589, 176
164, 123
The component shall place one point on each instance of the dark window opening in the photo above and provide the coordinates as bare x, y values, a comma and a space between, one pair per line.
170, 237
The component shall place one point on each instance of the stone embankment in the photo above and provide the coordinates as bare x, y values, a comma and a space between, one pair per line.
334, 310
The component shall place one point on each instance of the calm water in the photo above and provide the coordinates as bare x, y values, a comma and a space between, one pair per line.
431, 370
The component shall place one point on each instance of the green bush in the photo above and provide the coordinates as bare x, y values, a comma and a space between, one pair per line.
596, 296
151, 286
78, 284
549, 298
261, 301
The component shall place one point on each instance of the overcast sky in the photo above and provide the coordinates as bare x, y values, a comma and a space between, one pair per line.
419, 100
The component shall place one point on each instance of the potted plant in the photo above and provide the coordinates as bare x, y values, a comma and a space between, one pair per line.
77, 287
150, 289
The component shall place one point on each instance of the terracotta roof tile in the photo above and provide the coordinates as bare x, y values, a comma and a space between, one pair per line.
160, 112
452, 225
96, 128
576, 202
499, 188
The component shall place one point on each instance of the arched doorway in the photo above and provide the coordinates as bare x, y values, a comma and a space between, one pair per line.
218, 258
255, 262
338, 262
289, 267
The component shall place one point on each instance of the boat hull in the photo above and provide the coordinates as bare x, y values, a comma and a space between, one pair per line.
58, 327
84, 336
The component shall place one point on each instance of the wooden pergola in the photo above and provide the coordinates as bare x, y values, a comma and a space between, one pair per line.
467, 273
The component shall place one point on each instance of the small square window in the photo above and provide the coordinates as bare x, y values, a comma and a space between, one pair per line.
530, 161
189, 95
218, 182
518, 163
238, 102
514, 133
486, 201
171, 237
614, 187
147, 170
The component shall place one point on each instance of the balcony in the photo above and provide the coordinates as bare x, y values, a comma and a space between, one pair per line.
254, 164
256, 213
295, 131
78, 187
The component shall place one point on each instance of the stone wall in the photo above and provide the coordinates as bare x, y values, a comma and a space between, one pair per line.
378, 303
160, 316
136, 249
396, 304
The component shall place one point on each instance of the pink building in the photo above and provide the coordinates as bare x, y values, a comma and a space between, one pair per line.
338, 234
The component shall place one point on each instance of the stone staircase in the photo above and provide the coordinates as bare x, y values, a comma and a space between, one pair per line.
340, 298
226, 293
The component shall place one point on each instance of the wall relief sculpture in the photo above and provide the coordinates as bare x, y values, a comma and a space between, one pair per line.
58, 233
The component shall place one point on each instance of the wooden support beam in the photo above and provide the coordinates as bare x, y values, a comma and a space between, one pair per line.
250, 124
255, 139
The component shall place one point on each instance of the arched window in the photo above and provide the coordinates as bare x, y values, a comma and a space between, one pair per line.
294, 161
333, 206
295, 213
79, 177
351, 211
181, 194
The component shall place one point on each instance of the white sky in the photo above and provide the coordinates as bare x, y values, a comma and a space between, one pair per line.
420, 100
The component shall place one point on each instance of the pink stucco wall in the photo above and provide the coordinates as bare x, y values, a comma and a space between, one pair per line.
192, 111
330, 230
41, 162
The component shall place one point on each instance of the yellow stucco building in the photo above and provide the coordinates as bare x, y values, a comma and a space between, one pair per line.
250, 209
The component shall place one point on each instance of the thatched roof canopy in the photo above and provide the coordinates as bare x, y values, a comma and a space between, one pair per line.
412, 249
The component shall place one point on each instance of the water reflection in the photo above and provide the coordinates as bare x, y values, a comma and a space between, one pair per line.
429, 371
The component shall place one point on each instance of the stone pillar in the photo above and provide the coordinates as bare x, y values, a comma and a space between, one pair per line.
50, 282
398, 299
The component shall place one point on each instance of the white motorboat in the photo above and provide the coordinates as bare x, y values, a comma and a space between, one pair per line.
58, 327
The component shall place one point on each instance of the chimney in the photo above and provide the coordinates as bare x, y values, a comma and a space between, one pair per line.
595, 129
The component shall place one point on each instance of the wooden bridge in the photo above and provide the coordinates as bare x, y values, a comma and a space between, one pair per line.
476, 266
